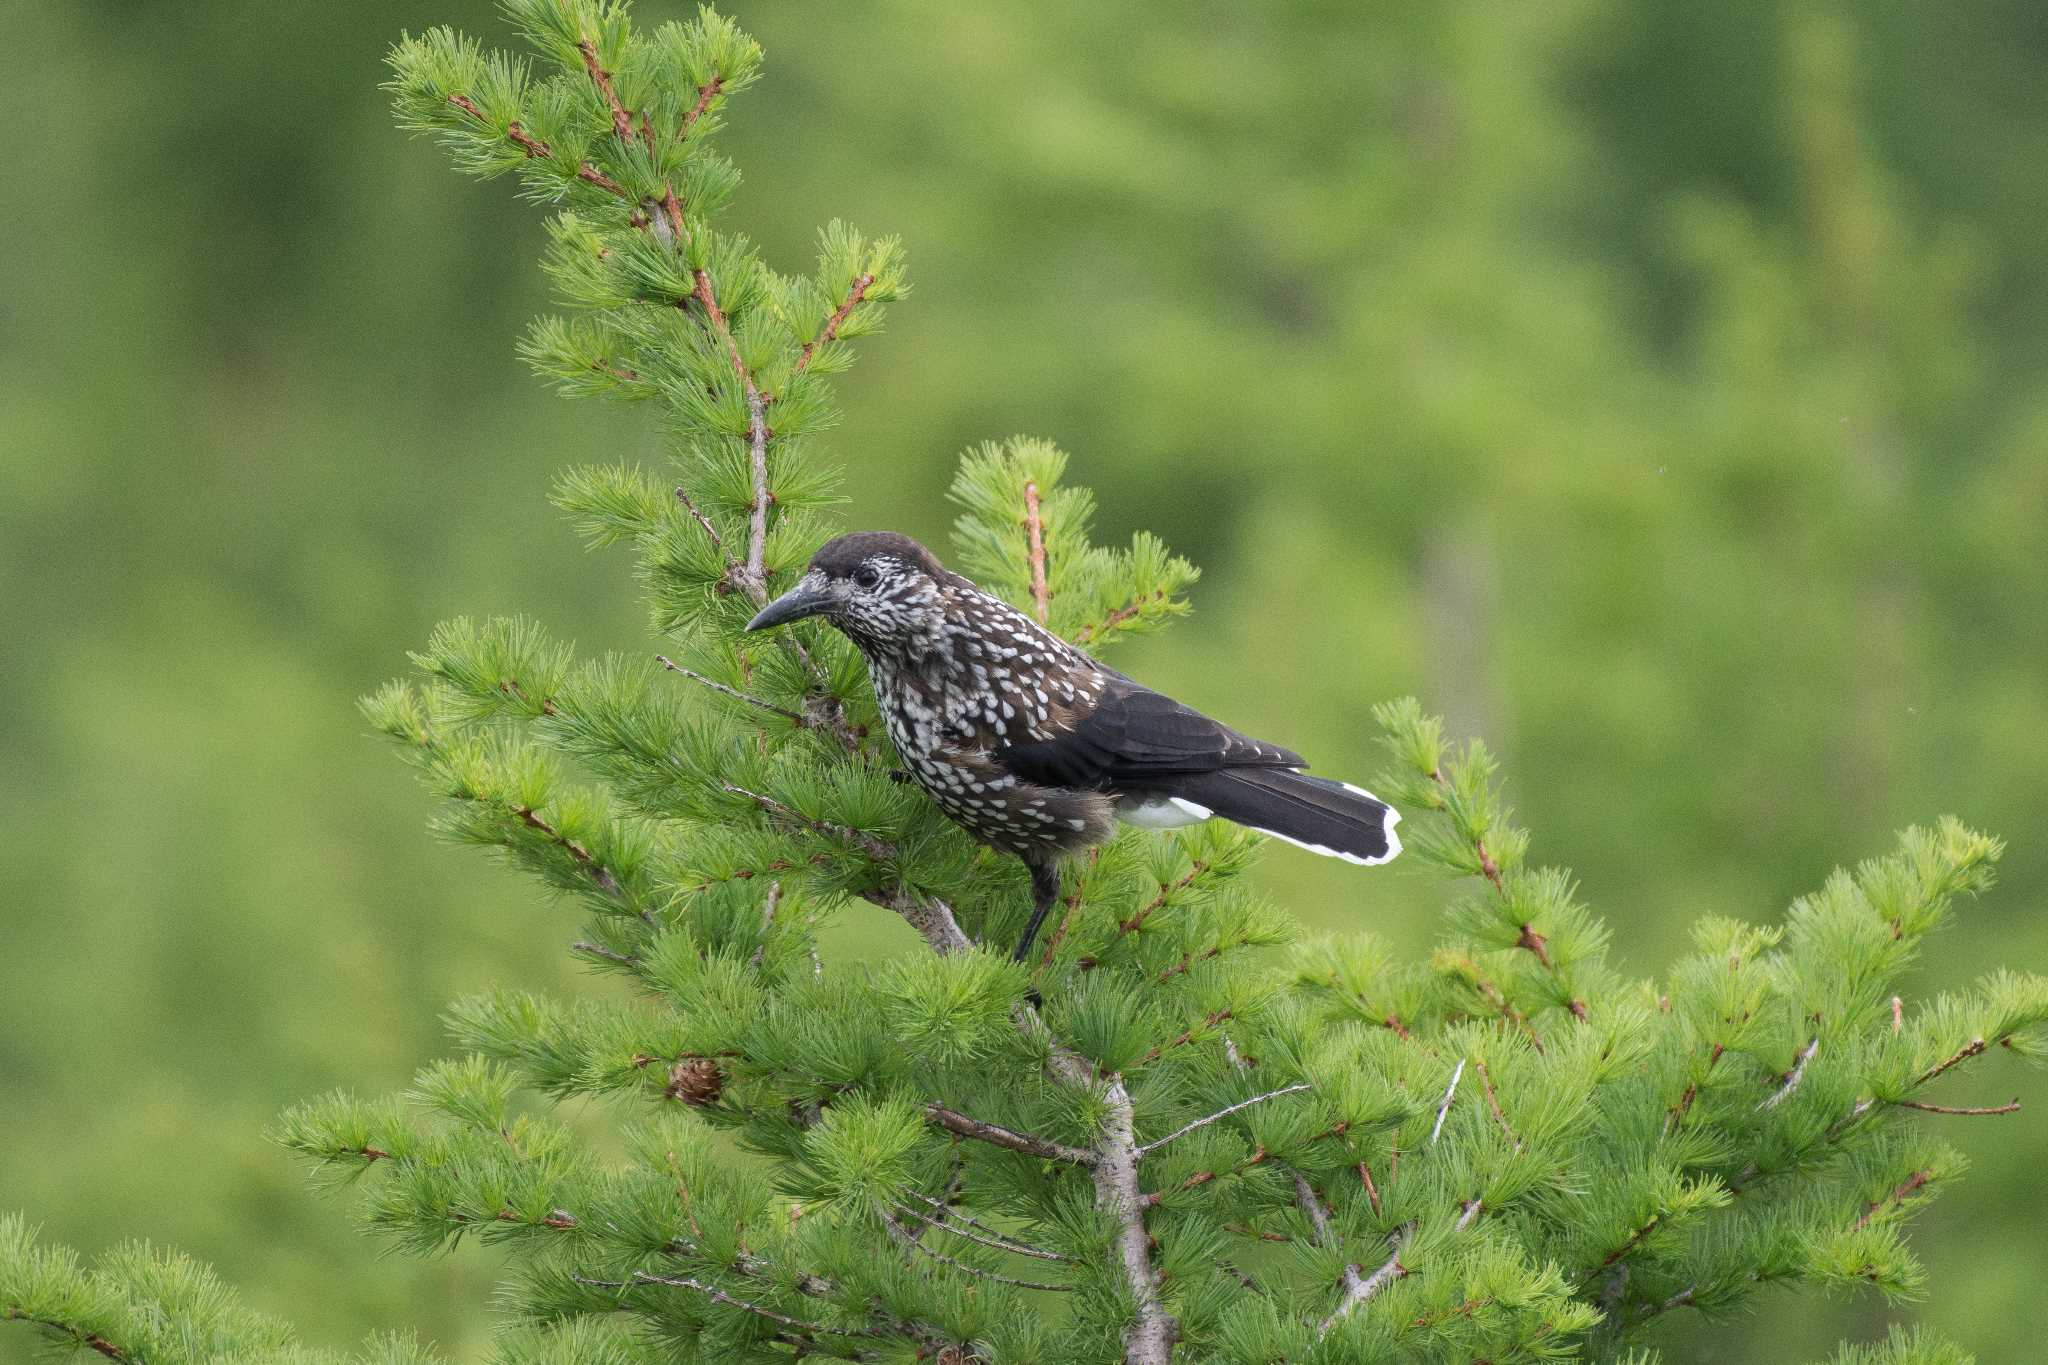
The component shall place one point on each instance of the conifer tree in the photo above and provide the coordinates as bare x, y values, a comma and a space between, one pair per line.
1182, 1131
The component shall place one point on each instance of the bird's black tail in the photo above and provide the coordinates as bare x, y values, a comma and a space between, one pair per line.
1334, 819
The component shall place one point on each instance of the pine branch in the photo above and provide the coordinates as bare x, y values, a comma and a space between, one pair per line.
81, 1336
536, 150
1951, 1109
931, 917
622, 122
1793, 1077
794, 717
717, 1295
1493, 1103
1444, 1107
981, 1274
830, 332
880, 850
998, 1136
987, 1237
1224, 1112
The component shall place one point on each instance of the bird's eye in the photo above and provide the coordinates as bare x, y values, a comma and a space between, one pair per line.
867, 575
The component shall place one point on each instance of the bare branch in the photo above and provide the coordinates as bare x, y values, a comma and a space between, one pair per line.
1445, 1107
757, 451
979, 1273
717, 1295
597, 950
998, 1136
988, 1237
1951, 1109
693, 675
683, 497
1225, 1112
1794, 1076
878, 849
1360, 1289
930, 916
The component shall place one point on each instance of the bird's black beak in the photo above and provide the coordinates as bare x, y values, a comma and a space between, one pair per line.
807, 598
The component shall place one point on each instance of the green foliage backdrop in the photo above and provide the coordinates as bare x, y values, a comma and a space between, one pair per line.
1659, 394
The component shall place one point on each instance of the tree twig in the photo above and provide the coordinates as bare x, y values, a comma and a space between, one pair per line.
1444, 1108
1493, 1103
622, 122
683, 497
830, 331
1360, 1289
599, 873
672, 666
978, 1272
1096, 629
1034, 531
705, 94
988, 1237
610, 955
1952, 1109
91, 1340
878, 849
1962, 1054
1793, 1077
1225, 1112
1912, 1183
717, 1295
998, 1136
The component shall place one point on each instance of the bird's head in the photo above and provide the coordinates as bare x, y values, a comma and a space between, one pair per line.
883, 590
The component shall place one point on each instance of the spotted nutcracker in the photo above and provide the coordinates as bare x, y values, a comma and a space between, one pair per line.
1032, 746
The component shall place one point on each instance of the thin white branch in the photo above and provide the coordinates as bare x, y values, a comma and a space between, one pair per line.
717, 1295
693, 675
978, 1272
995, 1242
1792, 1077
1225, 1112
1445, 1107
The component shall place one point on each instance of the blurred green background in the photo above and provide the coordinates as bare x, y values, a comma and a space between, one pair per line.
1659, 390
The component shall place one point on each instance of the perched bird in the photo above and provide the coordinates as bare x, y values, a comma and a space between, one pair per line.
1033, 747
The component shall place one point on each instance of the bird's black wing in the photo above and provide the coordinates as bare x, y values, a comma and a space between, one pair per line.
1135, 737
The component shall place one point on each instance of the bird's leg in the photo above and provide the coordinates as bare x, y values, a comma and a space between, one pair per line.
1045, 893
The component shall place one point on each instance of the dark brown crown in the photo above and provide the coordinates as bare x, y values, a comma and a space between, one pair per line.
841, 556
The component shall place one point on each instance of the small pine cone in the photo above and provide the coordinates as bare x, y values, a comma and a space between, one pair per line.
695, 1081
